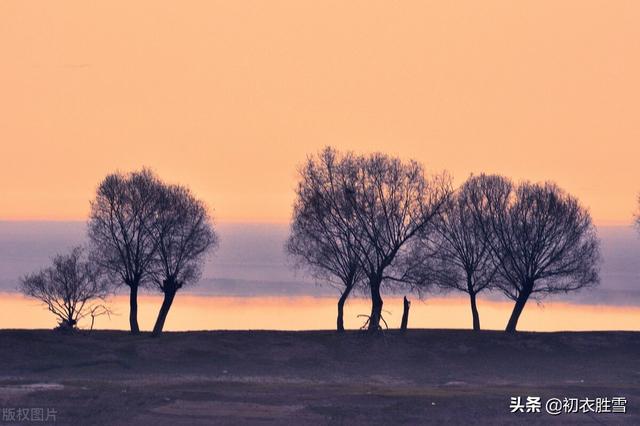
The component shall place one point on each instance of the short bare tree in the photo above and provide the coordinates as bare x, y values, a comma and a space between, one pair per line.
123, 209
68, 287
183, 234
543, 239
322, 237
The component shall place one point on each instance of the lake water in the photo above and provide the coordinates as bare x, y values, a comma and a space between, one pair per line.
191, 312
249, 284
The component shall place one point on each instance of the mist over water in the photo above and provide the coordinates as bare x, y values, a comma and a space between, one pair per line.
251, 262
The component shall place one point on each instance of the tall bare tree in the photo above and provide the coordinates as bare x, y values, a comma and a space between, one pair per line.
322, 237
543, 239
461, 257
67, 287
183, 234
123, 209
392, 202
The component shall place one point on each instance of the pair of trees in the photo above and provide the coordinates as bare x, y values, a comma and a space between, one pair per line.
144, 232
527, 241
368, 221
354, 217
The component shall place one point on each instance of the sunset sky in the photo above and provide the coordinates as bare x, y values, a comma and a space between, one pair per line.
229, 96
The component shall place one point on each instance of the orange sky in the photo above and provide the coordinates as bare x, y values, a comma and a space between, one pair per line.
229, 96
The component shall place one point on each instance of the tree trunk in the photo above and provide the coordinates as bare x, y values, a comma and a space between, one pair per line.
341, 301
376, 306
517, 310
405, 314
133, 309
474, 312
164, 310
67, 324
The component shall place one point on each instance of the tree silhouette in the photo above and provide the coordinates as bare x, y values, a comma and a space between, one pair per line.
392, 202
543, 239
458, 254
182, 233
123, 209
322, 237
67, 287
637, 216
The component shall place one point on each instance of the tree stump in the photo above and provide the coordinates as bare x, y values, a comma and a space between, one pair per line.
405, 314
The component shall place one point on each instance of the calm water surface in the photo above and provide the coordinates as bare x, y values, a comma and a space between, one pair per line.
192, 312
250, 284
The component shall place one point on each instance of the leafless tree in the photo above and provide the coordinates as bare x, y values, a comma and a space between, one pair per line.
123, 209
322, 237
183, 233
543, 239
67, 287
637, 216
458, 254
392, 202
97, 311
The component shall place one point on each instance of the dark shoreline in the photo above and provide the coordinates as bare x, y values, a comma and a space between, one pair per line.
315, 377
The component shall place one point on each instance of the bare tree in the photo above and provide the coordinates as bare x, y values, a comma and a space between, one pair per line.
183, 233
392, 202
637, 216
67, 288
123, 209
543, 239
460, 255
322, 237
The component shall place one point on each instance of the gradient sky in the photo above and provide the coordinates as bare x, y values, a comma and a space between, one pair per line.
228, 97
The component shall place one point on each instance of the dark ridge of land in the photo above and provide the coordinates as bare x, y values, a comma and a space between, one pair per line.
315, 377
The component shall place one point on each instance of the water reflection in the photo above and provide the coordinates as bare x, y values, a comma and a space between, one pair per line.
191, 312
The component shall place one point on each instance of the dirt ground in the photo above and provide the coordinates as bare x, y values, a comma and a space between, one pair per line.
262, 377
